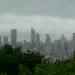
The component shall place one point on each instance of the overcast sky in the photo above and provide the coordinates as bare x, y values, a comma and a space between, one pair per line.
46, 16
61, 8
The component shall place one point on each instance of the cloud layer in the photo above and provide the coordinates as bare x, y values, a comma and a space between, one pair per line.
61, 8
42, 24
55, 17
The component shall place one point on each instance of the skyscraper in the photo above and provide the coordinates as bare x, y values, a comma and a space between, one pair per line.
32, 38
48, 40
48, 45
64, 43
37, 38
0, 41
5, 41
73, 36
14, 37
27, 45
38, 41
73, 42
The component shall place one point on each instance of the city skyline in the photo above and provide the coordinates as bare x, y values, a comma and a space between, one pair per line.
25, 35
38, 24
33, 34
37, 37
45, 24
46, 16
57, 48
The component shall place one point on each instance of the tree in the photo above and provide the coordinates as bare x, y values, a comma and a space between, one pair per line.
10, 58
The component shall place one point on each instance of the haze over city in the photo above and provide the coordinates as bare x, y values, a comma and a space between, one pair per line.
37, 37
55, 17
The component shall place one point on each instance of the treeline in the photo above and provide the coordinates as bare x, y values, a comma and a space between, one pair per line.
14, 62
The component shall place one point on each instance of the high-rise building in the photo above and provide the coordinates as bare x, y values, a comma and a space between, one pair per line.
27, 45
37, 38
64, 45
1, 42
32, 38
64, 42
5, 41
73, 36
38, 41
57, 48
48, 45
73, 44
48, 40
14, 37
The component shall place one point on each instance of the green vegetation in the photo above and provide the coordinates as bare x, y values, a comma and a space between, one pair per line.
63, 68
14, 62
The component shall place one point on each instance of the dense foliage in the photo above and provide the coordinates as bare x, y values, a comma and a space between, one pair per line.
11, 58
15, 62
63, 68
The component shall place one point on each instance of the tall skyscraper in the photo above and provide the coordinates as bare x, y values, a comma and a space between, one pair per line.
64, 43
1, 42
37, 38
38, 41
48, 47
48, 40
74, 36
5, 41
14, 37
73, 43
27, 45
32, 38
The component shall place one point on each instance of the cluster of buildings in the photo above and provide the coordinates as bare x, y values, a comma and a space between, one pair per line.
59, 49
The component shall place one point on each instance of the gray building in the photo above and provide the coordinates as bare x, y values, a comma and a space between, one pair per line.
5, 40
73, 42
27, 45
48, 45
38, 44
32, 38
37, 38
48, 40
13, 37
1, 44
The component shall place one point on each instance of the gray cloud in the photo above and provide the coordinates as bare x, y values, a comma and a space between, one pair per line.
42, 24
46, 16
58, 8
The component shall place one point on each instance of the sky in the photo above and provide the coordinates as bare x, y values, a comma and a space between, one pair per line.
55, 17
